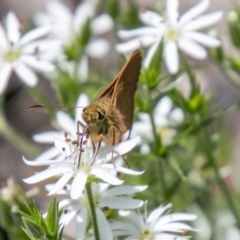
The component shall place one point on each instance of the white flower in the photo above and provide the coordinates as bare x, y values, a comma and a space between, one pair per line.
177, 33
154, 227
69, 28
65, 124
165, 117
104, 199
21, 54
78, 164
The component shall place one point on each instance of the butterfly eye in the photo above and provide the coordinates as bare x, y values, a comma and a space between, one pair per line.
101, 115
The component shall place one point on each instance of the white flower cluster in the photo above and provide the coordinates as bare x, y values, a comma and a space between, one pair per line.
177, 33
72, 162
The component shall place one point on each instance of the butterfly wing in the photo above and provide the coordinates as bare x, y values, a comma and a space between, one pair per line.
122, 90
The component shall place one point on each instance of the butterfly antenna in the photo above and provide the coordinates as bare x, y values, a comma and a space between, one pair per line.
52, 106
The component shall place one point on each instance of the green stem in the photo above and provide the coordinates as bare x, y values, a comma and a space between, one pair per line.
158, 144
14, 137
206, 143
92, 211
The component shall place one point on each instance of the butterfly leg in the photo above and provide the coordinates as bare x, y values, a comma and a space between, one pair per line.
96, 150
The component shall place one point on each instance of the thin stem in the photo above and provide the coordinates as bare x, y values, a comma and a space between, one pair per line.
158, 145
14, 137
206, 143
92, 211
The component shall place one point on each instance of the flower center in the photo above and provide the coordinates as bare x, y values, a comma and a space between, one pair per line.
172, 33
11, 54
147, 235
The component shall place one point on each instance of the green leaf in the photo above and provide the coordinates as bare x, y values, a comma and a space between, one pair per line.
33, 229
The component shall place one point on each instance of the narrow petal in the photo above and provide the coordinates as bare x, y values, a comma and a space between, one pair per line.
26, 74
42, 163
78, 184
5, 72
35, 34
84, 12
36, 64
101, 24
203, 39
203, 21
143, 41
47, 137
50, 172
129, 46
97, 48
156, 213
60, 183
103, 226
82, 221
150, 53
121, 148
171, 57
120, 203
150, 18
83, 68
175, 227
51, 153
163, 107
66, 123
129, 171
82, 102
12, 27
168, 236
194, 12
3, 38
124, 190
192, 49
125, 34
172, 11
106, 176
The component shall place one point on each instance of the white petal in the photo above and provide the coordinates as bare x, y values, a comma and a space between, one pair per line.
42, 163
83, 12
163, 107
192, 48
175, 227
203, 39
156, 213
83, 68
172, 11
168, 236
203, 21
150, 18
12, 27
143, 41
171, 57
150, 54
60, 183
66, 123
37, 64
120, 203
51, 153
128, 46
67, 217
177, 115
194, 12
78, 185
26, 74
118, 150
101, 24
106, 176
50, 172
123, 190
103, 226
82, 102
35, 34
47, 137
129, 171
125, 34
97, 48
63, 146
5, 72
3, 38
82, 221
